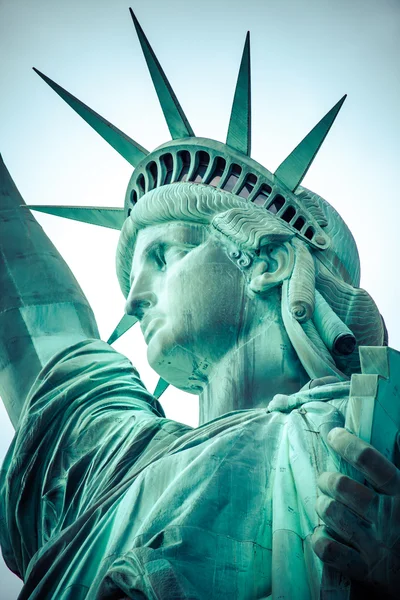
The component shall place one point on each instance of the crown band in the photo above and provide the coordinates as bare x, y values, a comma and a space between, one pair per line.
199, 160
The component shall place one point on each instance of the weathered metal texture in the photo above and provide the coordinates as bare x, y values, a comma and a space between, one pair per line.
42, 308
293, 169
167, 508
101, 495
176, 119
374, 405
112, 218
123, 144
239, 130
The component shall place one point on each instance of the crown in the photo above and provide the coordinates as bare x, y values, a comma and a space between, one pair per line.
199, 160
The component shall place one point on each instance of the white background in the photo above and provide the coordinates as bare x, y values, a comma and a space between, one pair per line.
305, 55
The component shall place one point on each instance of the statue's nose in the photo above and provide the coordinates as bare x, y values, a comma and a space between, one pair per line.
139, 301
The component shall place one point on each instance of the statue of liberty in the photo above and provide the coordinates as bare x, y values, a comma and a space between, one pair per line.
246, 287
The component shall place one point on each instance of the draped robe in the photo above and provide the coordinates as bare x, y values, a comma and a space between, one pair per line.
103, 497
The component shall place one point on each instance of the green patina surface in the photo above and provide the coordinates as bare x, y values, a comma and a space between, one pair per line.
246, 288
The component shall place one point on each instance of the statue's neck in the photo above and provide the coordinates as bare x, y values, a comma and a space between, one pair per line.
253, 373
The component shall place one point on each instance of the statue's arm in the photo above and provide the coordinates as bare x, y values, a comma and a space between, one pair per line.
42, 308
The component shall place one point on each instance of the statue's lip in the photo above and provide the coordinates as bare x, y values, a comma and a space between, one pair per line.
147, 326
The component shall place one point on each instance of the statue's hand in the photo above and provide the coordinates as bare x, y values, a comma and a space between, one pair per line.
361, 537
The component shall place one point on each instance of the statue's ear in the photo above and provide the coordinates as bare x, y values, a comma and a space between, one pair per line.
274, 265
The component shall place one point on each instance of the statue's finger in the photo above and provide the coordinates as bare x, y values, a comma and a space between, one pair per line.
350, 528
377, 469
339, 556
356, 496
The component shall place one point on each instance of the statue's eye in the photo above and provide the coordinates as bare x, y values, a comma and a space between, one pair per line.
159, 256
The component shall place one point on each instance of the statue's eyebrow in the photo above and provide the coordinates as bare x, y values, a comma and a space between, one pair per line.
191, 234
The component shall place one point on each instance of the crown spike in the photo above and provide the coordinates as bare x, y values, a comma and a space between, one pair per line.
239, 130
123, 326
122, 143
177, 122
112, 218
293, 169
160, 388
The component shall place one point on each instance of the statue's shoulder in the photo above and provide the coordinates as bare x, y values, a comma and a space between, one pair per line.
373, 412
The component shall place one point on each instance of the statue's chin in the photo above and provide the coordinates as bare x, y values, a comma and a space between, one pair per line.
177, 365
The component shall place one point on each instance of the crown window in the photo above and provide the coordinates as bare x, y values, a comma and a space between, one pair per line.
309, 233
133, 197
219, 168
289, 213
185, 161
152, 176
248, 185
262, 195
233, 178
299, 223
140, 184
203, 162
277, 204
167, 162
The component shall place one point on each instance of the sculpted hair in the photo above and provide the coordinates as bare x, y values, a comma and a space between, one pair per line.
320, 306
246, 226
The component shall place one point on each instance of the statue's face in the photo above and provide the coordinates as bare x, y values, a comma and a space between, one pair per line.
189, 297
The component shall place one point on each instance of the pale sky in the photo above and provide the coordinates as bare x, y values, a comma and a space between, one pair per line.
305, 55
